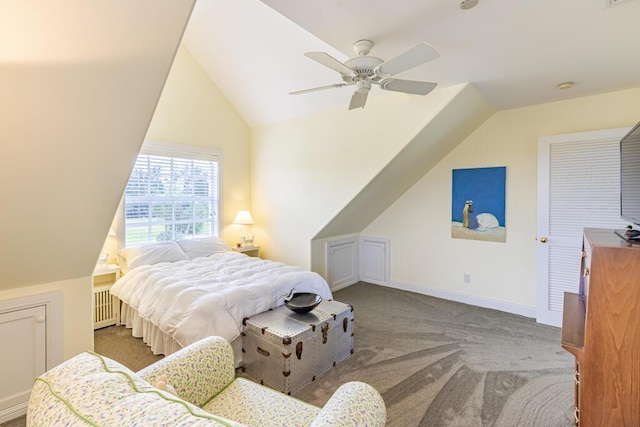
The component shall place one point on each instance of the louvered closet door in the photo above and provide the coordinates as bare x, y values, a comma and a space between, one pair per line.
578, 187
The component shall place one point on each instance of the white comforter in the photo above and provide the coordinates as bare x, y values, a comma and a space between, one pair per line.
189, 300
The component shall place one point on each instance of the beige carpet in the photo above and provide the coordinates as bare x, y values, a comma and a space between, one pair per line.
435, 362
441, 363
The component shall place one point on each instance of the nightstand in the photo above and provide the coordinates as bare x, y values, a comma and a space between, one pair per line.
106, 308
249, 250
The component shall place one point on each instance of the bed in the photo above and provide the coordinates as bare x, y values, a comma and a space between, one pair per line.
177, 292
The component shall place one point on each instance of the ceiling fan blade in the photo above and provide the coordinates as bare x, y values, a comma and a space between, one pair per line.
315, 89
329, 61
358, 100
407, 86
415, 56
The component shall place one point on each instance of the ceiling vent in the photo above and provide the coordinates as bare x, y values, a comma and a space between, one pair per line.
609, 3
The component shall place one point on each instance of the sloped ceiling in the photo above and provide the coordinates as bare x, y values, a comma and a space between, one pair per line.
452, 122
80, 81
254, 55
514, 52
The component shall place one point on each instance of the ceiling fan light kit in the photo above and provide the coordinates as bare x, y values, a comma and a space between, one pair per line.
363, 86
363, 71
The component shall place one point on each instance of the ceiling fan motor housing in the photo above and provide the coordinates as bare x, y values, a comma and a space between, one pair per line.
362, 66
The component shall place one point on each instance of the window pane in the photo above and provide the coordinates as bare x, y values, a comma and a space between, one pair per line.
161, 212
170, 198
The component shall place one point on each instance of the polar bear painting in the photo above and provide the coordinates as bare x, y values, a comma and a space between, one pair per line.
484, 226
487, 187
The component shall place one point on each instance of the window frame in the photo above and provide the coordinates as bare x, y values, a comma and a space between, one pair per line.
159, 148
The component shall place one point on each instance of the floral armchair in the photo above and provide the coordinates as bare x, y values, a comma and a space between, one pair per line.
90, 389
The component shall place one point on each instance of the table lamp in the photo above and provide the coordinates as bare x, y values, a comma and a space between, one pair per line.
243, 218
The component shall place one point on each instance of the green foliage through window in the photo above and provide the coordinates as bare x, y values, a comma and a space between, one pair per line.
170, 198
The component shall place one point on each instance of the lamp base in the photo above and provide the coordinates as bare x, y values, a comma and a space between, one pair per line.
247, 242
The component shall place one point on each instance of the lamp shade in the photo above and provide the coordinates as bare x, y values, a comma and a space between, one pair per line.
243, 218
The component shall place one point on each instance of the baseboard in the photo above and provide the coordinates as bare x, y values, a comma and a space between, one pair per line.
13, 412
522, 310
344, 285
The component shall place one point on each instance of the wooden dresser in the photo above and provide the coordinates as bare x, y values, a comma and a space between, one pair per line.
601, 328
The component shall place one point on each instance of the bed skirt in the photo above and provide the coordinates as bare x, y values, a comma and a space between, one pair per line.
160, 342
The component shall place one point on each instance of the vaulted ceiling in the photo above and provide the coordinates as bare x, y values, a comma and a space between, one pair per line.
67, 66
514, 52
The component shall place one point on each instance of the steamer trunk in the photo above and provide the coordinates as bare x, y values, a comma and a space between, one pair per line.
286, 350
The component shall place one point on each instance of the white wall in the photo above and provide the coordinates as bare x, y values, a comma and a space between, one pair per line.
192, 110
423, 253
80, 81
453, 123
306, 170
77, 329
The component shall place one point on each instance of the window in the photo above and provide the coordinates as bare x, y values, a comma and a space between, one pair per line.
171, 194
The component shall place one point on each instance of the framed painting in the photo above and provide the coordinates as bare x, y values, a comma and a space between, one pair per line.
478, 204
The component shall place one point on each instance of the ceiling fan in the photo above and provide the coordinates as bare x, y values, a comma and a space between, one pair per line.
363, 71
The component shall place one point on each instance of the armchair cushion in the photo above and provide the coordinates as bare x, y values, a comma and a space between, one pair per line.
256, 405
353, 403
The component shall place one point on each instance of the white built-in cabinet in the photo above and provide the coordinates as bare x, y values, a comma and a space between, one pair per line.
352, 259
374, 260
23, 333
342, 263
30, 330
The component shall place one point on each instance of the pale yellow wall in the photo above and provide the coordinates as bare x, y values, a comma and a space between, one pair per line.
418, 224
304, 171
192, 110
77, 328
77, 98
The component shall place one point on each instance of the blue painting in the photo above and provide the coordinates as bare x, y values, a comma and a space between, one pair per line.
478, 204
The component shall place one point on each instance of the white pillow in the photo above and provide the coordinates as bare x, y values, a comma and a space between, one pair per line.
154, 253
203, 247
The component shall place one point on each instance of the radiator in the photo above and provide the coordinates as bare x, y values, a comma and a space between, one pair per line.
106, 307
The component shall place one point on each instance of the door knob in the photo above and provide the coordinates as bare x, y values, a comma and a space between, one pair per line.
543, 240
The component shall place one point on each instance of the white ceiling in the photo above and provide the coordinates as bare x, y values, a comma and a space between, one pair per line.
513, 51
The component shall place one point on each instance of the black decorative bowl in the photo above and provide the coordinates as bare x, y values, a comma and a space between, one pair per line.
302, 302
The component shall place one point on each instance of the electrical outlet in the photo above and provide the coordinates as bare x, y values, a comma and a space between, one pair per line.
467, 278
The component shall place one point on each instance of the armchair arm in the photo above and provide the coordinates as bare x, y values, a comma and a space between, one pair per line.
197, 372
353, 404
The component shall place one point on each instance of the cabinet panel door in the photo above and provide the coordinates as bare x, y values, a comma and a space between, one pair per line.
374, 260
342, 268
25, 332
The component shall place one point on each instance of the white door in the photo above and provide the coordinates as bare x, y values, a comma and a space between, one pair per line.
374, 260
24, 332
342, 267
578, 187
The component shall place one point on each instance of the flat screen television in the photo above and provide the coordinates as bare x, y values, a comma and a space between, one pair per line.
630, 178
